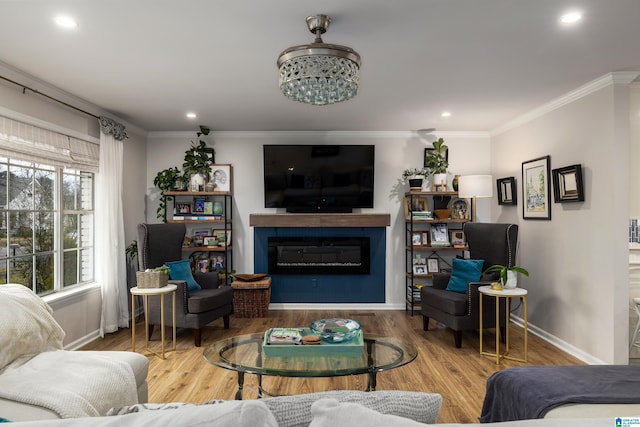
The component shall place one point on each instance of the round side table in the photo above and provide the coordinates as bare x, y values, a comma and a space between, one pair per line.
145, 293
508, 294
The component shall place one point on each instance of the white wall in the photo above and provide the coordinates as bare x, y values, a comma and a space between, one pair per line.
578, 260
468, 152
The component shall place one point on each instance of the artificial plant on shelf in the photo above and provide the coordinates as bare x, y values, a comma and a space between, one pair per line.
165, 180
436, 159
415, 176
199, 158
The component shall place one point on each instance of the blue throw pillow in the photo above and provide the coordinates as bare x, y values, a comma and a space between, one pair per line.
181, 270
463, 272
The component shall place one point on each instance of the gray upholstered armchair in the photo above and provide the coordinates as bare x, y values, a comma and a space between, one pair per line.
493, 243
161, 243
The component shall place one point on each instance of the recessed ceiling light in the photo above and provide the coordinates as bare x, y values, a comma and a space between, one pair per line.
446, 114
66, 21
191, 115
571, 17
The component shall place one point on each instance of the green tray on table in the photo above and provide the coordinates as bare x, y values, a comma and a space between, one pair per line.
354, 347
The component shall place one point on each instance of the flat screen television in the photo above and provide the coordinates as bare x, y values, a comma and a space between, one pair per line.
318, 178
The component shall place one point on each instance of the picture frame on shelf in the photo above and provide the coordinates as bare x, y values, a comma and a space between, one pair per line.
223, 236
416, 238
198, 205
425, 238
419, 260
415, 204
507, 194
460, 208
419, 269
218, 261
203, 265
182, 208
220, 175
568, 184
199, 235
439, 235
210, 241
536, 189
457, 238
433, 265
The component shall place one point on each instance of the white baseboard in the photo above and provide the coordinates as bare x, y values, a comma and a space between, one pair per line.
561, 344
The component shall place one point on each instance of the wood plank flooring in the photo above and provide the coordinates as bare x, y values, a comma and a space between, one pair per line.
459, 375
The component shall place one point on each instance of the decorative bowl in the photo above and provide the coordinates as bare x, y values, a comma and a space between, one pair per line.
442, 213
335, 330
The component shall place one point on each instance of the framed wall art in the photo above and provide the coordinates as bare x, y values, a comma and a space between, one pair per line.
536, 189
567, 184
220, 175
507, 194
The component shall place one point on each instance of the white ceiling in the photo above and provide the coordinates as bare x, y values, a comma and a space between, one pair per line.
149, 62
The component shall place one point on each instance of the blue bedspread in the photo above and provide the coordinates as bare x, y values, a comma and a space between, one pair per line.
529, 392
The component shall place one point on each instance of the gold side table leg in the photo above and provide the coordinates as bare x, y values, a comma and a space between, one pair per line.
506, 324
526, 328
481, 315
146, 321
133, 323
497, 329
162, 324
173, 310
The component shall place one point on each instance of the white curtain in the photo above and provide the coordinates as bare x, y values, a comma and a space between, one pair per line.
110, 242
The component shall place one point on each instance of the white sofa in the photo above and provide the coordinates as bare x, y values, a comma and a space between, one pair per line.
39, 380
330, 409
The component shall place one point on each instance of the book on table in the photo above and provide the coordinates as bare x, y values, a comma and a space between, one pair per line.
284, 336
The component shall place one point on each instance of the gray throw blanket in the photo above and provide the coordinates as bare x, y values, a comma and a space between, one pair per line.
529, 392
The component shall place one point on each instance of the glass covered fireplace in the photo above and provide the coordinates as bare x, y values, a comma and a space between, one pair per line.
318, 255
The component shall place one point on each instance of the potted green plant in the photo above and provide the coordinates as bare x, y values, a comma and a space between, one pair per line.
415, 176
508, 275
436, 161
198, 160
165, 180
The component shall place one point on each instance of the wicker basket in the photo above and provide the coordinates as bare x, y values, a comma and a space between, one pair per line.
151, 279
251, 299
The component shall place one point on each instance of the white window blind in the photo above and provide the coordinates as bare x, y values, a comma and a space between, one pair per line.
26, 142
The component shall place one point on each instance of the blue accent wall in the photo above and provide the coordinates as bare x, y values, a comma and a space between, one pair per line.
325, 288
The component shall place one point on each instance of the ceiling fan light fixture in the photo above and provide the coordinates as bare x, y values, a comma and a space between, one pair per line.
319, 73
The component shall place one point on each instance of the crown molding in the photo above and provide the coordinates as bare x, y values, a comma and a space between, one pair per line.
618, 77
341, 134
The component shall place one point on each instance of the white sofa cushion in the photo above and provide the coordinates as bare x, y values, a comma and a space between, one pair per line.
249, 413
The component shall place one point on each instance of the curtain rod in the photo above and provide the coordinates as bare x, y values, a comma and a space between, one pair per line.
25, 88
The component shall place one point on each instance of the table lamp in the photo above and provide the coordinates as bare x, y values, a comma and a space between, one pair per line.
474, 186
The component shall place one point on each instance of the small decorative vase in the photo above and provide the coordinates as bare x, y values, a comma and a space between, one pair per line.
210, 187
454, 183
197, 182
440, 182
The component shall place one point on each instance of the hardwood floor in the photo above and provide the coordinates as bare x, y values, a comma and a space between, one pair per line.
459, 375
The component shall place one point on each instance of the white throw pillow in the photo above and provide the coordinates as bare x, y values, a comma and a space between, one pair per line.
331, 413
295, 410
28, 327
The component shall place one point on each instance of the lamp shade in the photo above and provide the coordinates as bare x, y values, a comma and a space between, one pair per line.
475, 186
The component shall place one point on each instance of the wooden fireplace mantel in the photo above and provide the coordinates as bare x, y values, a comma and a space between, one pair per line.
319, 220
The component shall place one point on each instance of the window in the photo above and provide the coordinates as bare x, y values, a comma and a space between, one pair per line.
46, 225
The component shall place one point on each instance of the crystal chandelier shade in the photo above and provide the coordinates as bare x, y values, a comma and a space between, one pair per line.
319, 73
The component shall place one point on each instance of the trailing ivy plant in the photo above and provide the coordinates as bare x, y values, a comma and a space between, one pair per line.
199, 157
165, 180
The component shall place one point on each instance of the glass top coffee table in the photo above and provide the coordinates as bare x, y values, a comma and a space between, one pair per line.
244, 354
